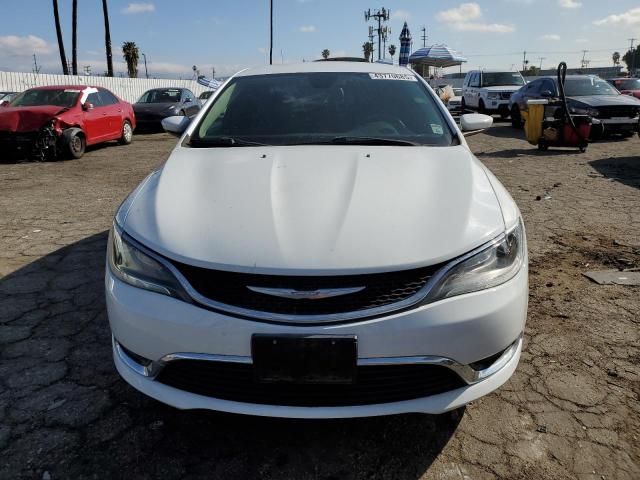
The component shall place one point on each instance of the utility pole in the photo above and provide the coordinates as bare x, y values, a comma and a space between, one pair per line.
541, 59
381, 15
524, 61
36, 68
270, 32
633, 58
424, 36
584, 63
371, 43
146, 72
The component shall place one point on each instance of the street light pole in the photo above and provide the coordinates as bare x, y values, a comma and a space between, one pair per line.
270, 32
146, 72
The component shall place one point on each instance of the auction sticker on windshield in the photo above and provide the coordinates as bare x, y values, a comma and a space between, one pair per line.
393, 76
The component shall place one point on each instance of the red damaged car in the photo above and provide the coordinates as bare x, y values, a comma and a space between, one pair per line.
47, 123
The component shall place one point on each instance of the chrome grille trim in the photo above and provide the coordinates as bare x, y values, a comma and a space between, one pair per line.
307, 319
466, 372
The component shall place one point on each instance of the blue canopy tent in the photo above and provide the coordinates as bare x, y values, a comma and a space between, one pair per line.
438, 56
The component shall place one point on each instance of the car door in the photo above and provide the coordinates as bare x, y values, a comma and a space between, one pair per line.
96, 123
470, 91
191, 106
113, 113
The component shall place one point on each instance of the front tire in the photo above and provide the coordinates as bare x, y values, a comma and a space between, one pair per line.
127, 133
463, 106
75, 143
481, 108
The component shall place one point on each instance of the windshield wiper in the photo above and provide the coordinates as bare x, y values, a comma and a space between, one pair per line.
223, 142
346, 140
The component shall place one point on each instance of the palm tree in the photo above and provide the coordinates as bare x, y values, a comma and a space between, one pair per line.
131, 56
326, 53
392, 51
63, 57
74, 38
107, 39
367, 49
616, 58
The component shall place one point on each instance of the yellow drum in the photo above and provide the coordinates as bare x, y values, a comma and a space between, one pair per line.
533, 118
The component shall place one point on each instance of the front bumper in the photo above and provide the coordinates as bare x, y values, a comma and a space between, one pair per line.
463, 330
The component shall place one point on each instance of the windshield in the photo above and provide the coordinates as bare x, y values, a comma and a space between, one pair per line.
576, 87
323, 107
59, 98
627, 84
498, 79
161, 96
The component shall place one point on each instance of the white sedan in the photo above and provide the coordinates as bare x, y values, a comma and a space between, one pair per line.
320, 243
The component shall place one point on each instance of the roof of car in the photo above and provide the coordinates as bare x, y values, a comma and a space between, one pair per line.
348, 67
66, 87
568, 77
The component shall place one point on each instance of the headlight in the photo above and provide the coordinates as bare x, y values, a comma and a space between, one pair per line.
133, 266
492, 95
488, 268
592, 112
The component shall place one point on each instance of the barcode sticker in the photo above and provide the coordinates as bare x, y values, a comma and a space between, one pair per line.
394, 76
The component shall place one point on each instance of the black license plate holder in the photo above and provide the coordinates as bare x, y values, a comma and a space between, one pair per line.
304, 359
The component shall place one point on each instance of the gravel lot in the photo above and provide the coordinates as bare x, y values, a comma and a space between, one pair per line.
570, 411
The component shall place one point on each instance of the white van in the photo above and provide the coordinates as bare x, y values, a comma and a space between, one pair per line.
489, 91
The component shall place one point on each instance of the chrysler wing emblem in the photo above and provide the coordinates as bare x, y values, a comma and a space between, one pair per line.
318, 294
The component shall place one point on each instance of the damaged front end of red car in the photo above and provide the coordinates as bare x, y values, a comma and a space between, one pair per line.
31, 133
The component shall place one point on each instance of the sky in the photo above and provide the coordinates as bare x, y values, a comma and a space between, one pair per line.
231, 35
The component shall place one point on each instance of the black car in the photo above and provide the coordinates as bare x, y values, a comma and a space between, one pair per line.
611, 111
156, 104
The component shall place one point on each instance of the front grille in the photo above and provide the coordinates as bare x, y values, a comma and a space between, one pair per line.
381, 289
623, 111
373, 384
505, 95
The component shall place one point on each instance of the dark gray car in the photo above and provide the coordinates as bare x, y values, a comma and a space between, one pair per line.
611, 111
159, 103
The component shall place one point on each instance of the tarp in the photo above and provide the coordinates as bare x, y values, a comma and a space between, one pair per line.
437, 56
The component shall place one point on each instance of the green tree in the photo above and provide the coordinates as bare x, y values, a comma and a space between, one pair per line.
392, 51
131, 56
367, 50
616, 58
63, 57
326, 53
632, 59
107, 39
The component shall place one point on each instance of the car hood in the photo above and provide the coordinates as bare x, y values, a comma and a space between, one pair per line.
153, 107
505, 88
317, 209
606, 100
27, 119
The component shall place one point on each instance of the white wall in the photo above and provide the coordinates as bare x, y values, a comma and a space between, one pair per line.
129, 89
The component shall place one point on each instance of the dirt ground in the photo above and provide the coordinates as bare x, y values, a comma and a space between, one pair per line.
570, 411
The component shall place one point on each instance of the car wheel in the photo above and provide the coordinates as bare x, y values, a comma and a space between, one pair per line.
463, 106
75, 143
481, 108
516, 118
127, 133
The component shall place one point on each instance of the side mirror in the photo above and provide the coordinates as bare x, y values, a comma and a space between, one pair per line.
472, 123
86, 106
4, 103
175, 125
546, 93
